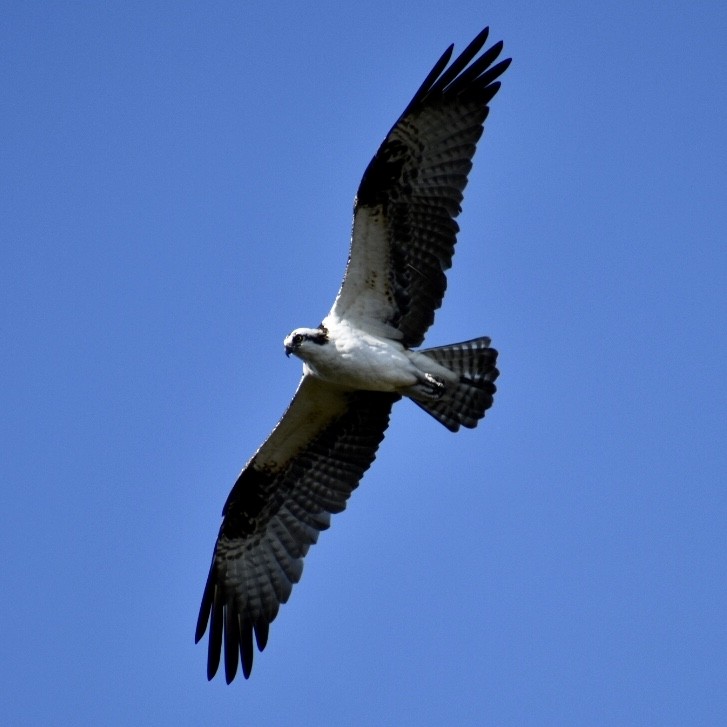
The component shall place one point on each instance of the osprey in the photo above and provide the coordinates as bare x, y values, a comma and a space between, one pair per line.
360, 360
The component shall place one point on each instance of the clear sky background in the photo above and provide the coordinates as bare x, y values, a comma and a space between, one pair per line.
176, 186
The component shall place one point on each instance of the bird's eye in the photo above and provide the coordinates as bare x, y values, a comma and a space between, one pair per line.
297, 339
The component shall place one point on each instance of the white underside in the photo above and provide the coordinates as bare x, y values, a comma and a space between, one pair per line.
355, 359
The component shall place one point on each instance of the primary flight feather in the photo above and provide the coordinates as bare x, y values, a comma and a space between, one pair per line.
359, 361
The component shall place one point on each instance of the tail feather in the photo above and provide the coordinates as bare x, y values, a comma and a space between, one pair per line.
466, 403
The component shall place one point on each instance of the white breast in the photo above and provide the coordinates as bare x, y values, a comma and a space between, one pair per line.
359, 360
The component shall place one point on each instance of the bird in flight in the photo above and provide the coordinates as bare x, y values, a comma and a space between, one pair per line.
360, 360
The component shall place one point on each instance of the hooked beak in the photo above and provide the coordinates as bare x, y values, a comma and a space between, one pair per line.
288, 351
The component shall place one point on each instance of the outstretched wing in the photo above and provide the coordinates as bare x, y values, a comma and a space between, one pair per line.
284, 496
404, 228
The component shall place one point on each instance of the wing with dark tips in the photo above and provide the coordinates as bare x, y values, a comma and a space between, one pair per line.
404, 218
284, 497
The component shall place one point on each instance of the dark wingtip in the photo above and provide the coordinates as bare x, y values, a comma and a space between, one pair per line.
502, 66
482, 36
464, 70
246, 650
214, 645
432, 76
205, 608
261, 634
202, 619
232, 636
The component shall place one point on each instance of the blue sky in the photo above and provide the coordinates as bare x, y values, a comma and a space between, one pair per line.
175, 193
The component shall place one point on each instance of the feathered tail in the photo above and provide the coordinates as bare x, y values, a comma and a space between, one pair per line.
466, 403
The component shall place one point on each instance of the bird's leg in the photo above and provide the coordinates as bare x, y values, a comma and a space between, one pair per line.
428, 387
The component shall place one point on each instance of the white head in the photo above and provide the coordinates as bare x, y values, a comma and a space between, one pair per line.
303, 338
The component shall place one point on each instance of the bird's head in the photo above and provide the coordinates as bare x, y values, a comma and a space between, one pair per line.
300, 338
